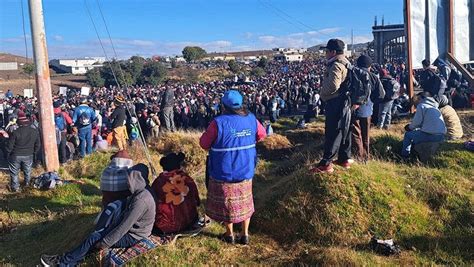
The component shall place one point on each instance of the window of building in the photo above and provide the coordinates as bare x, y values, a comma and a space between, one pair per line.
76, 68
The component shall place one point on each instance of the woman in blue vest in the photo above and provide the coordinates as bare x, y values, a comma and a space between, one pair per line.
230, 139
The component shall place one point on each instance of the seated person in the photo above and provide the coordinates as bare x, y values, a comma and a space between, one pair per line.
451, 118
177, 197
427, 125
113, 182
135, 225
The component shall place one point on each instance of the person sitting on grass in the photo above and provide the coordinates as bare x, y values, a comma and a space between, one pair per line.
427, 125
113, 182
135, 225
177, 197
451, 118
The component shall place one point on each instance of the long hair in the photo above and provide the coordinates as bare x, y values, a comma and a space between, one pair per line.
239, 111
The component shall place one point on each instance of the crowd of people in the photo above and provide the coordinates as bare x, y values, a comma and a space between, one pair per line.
354, 94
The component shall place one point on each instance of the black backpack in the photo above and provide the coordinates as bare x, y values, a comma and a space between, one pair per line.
436, 84
358, 85
392, 88
454, 79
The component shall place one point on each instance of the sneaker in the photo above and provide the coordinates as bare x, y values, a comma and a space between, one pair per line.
244, 240
323, 169
50, 260
345, 164
228, 239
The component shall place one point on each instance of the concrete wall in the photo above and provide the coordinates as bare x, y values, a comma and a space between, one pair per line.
8, 66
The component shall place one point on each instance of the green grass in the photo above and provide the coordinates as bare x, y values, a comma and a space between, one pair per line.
300, 218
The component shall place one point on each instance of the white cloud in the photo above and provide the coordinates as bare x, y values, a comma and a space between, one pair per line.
58, 38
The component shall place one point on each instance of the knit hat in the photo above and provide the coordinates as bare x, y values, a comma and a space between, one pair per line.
22, 119
384, 72
121, 154
232, 99
364, 61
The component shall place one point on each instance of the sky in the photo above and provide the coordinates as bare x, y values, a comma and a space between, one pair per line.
165, 27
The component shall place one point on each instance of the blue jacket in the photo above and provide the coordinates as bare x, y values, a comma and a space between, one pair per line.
233, 155
81, 109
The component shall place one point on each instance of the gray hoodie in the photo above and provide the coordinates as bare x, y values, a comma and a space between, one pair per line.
139, 215
428, 118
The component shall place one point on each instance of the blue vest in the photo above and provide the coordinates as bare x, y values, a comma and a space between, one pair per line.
233, 155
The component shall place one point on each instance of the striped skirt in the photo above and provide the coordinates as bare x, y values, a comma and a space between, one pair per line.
229, 202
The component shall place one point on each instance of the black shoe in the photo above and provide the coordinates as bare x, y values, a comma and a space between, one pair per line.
228, 239
50, 260
244, 240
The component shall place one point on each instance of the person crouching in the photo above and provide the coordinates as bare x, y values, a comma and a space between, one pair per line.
177, 197
135, 225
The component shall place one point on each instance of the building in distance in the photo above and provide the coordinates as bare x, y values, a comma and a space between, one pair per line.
76, 66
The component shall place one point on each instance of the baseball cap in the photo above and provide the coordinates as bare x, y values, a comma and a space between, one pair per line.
232, 99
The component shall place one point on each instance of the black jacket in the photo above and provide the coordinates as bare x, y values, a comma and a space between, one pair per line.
24, 141
118, 117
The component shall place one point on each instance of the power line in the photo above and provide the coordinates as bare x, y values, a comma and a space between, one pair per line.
293, 18
24, 37
142, 138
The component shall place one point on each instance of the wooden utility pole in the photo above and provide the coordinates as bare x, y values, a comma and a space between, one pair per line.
451, 27
43, 84
409, 51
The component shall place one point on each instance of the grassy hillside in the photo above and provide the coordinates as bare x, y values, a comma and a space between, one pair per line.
300, 218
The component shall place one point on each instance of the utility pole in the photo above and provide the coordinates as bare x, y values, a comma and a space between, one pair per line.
352, 40
43, 83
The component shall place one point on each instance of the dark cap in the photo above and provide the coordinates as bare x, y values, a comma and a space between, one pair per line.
364, 61
335, 44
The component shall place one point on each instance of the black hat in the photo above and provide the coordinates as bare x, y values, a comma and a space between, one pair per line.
56, 104
364, 61
172, 161
335, 44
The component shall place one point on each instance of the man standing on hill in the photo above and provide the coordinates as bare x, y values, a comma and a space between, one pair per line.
392, 89
118, 119
167, 113
82, 119
336, 129
23, 144
362, 116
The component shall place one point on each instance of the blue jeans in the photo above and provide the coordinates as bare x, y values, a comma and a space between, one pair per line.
17, 163
385, 114
85, 140
417, 137
78, 254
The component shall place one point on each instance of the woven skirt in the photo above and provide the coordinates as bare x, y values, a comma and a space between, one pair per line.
229, 202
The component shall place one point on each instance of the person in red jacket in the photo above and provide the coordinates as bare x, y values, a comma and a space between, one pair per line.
177, 197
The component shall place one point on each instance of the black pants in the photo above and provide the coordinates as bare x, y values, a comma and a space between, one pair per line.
62, 148
337, 131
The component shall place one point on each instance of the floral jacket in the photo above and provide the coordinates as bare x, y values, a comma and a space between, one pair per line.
177, 201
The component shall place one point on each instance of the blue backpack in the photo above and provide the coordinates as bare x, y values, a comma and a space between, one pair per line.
59, 121
111, 215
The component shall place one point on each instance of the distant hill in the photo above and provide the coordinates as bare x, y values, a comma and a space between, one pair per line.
357, 47
5, 57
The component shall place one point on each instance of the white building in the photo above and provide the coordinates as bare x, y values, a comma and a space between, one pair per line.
8, 66
77, 66
295, 57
